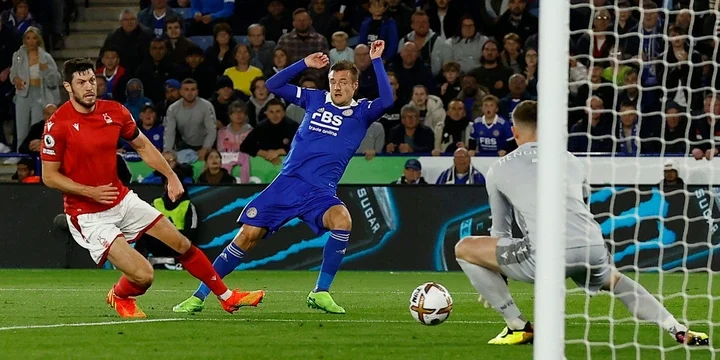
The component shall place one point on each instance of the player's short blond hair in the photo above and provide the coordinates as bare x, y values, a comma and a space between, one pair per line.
491, 98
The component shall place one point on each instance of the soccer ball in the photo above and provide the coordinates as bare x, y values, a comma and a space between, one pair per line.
430, 304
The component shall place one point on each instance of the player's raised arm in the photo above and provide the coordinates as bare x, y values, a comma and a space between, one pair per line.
278, 84
500, 207
385, 101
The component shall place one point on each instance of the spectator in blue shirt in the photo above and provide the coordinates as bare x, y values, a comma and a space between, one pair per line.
490, 132
380, 27
207, 13
149, 126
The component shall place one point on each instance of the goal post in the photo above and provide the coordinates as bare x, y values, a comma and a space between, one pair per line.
553, 52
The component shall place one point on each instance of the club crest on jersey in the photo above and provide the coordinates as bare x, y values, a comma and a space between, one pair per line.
325, 122
251, 212
107, 118
496, 133
76, 126
347, 112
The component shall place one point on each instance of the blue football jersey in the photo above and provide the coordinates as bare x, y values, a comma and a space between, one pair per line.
491, 138
328, 136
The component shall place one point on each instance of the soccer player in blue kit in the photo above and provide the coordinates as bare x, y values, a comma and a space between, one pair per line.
328, 137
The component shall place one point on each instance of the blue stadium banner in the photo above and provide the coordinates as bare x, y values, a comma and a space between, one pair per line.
399, 228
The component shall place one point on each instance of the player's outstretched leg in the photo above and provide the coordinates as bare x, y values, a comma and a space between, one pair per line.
477, 258
136, 279
644, 306
197, 264
338, 219
224, 264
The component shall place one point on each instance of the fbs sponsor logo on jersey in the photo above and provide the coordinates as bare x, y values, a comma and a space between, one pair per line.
325, 122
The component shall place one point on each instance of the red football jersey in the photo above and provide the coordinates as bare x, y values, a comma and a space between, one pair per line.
86, 147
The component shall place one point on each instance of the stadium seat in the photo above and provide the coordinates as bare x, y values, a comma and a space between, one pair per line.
241, 39
186, 12
202, 42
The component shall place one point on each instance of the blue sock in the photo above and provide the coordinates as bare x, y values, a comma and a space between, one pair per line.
224, 264
333, 254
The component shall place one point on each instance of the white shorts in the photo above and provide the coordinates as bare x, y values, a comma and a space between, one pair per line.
131, 218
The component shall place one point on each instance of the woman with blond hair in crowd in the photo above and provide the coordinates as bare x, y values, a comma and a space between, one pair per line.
37, 82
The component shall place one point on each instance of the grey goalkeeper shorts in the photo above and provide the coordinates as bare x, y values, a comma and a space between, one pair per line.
589, 267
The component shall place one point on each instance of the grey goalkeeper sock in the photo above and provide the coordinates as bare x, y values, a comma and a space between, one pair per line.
644, 306
494, 289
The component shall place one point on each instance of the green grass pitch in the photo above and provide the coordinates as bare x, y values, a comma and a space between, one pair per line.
378, 325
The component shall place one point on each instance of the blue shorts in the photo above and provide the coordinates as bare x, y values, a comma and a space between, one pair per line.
287, 198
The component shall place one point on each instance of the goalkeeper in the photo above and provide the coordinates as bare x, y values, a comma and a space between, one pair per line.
484, 259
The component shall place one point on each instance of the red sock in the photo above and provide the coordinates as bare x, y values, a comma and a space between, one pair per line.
198, 265
125, 288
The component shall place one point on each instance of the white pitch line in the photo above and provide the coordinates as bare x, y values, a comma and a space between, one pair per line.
392, 292
119, 322
260, 320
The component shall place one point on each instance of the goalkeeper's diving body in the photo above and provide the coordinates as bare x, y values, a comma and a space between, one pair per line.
328, 137
512, 187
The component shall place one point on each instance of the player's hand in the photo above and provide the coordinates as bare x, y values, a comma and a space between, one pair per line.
317, 60
104, 194
376, 49
175, 188
390, 148
405, 148
35, 145
206, 19
435, 152
369, 154
710, 154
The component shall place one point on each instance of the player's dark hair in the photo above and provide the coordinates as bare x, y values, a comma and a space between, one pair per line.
628, 104
346, 65
77, 65
253, 83
274, 102
222, 27
525, 114
190, 81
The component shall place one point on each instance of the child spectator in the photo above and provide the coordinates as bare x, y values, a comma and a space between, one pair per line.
380, 27
340, 50
490, 131
243, 73
449, 84
149, 127
214, 173
258, 102
231, 137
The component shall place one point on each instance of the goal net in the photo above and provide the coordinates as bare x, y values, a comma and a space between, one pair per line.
642, 110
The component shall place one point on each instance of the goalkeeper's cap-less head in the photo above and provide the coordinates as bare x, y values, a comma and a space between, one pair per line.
525, 115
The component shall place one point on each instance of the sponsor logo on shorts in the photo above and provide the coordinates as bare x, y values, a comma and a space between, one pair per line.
251, 212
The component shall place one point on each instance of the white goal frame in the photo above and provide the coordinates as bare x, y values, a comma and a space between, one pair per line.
553, 41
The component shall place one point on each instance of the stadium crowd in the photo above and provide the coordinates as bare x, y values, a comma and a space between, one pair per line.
643, 75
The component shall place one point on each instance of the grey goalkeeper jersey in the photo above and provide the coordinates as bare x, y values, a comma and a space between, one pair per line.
512, 188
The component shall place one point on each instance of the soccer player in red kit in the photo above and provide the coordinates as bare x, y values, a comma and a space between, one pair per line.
78, 158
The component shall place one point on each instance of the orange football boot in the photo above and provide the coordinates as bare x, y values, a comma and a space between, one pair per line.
126, 308
239, 299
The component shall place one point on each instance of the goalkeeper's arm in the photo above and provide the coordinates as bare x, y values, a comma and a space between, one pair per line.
500, 208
